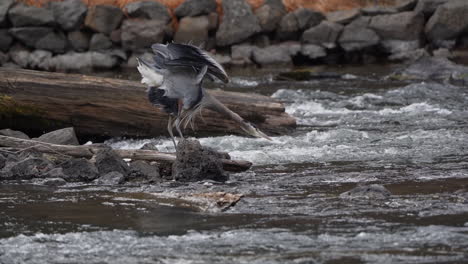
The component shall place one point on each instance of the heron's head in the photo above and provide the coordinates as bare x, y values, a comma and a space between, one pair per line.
253, 131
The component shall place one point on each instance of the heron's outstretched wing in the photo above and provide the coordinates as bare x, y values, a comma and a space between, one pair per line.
175, 55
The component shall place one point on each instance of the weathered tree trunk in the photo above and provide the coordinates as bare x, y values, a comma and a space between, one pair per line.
85, 151
37, 102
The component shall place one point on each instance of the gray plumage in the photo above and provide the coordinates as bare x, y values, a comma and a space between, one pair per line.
175, 78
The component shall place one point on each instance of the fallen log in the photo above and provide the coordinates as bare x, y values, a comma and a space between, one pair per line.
36, 102
88, 151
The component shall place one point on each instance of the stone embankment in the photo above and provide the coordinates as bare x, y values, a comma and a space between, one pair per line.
69, 36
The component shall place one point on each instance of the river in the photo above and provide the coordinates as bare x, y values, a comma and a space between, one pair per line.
354, 128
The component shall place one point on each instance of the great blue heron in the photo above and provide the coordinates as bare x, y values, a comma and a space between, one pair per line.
175, 83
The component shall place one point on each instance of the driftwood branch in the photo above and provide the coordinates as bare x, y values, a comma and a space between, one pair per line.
38, 102
85, 151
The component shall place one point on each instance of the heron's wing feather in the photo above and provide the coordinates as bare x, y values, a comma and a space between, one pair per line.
184, 55
150, 75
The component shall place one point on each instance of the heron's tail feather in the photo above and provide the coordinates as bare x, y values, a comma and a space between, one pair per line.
149, 74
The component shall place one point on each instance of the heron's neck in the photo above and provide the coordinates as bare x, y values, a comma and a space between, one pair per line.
215, 105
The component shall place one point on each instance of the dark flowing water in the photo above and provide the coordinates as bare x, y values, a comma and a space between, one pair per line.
353, 130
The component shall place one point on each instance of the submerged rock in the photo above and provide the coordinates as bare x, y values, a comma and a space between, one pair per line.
111, 178
196, 163
435, 68
373, 191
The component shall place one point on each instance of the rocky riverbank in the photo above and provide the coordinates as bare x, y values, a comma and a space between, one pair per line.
44, 165
69, 36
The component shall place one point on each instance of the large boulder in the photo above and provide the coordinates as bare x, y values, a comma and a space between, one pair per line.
69, 14
22, 15
448, 22
193, 30
195, 8
141, 34
107, 161
292, 24
5, 40
275, 54
428, 7
325, 34
148, 10
196, 163
30, 167
79, 169
64, 136
238, 23
100, 41
20, 55
143, 171
78, 40
13, 133
103, 18
357, 38
4, 7
270, 14
343, 16
401, 26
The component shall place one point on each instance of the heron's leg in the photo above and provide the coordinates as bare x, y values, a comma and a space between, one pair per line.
177, 125
169, 129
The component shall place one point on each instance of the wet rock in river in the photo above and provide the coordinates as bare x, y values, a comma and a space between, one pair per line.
64, 136
13, 133
107, 161
76, 170
150, 146
196, 163
30, 168
143, 171
111, 178
435, 68
53, 182
375, 191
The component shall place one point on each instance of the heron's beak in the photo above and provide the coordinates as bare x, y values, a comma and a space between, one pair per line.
255, 132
